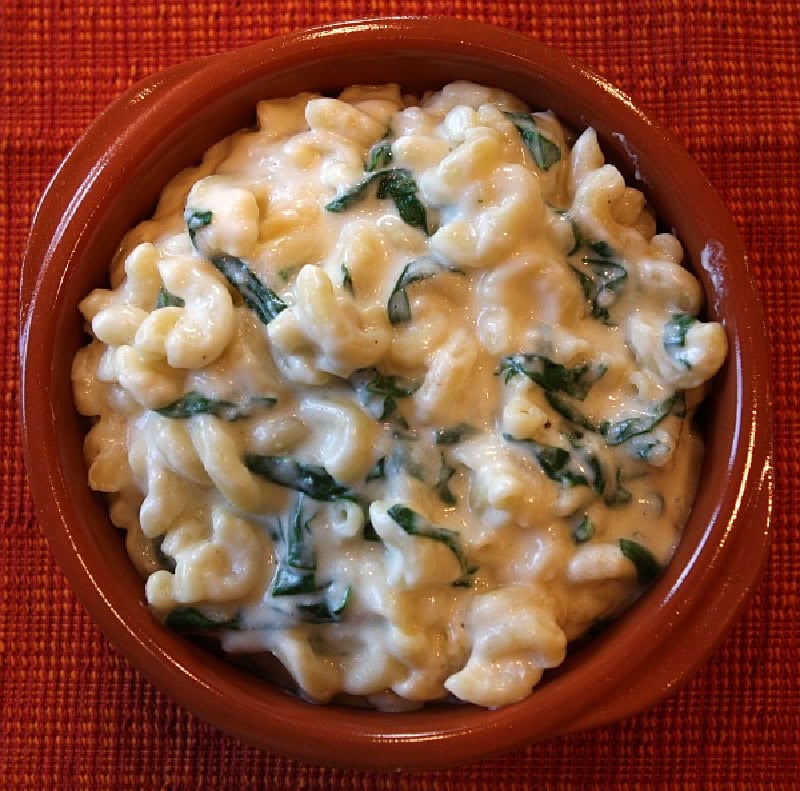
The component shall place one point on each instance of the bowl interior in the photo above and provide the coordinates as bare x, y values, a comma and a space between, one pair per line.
112, 180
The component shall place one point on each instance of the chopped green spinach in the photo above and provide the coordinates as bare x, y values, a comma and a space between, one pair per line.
453, 435
194, 403
569, 412
190, 619
313, 480
413, 272
379, 156
605, 278
647, 567
370, 383
395, 183
297, 563
543, 150
347, 280
378, 472
620, 495
195, 220
566, 468
324, 610
584, 531
552, 377
415, 524
263, 301
623, 430
167, 300
602, 248
442, 486
674, 336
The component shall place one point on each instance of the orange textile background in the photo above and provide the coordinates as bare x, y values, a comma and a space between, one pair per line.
725, 77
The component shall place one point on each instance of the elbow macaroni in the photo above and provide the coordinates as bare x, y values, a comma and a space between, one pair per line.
395, 391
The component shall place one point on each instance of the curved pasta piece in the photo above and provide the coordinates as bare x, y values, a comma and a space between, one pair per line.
411, 561
675, 287
503, 481
486, 239
151, 382
233, 228
699, 359
515, 300
319, 677
205, 326
225, 566
344, 434
106, 451
219, 448
515, 637
327, 329
448, 375
344, 120
166, 497
597, 562
173, 441
88, 389
138, 288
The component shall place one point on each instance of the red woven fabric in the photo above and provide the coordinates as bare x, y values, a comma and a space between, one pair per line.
725, 76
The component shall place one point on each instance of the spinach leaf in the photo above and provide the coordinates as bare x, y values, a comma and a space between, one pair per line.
584, 531
324, 610
576, 235
190, 619
598, 476
647, 567
395, 183
195, 220
165, 561
167, 300
442, 485
296, 572
399, 185
646, 449
569, 412
194, 403
543, 150
604, 280
413, 272
378, 472
454, 435
620, 495
310, 479
554, 462
347, 280
566, 468
263, 301
416, 525
552, 376
623, 430
601, 248
370, 383
379, 156
390, 385
674, 336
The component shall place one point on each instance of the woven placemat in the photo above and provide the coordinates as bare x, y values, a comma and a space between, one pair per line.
725, 77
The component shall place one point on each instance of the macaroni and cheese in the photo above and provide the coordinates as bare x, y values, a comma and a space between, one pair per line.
398, 391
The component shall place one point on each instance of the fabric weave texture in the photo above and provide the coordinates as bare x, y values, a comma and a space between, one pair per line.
724, 76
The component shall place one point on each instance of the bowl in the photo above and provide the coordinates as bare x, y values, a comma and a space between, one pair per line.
111, 179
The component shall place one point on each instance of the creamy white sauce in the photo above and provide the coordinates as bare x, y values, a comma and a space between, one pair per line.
482, 380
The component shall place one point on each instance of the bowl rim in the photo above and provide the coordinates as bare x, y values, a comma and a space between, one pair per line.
405, 740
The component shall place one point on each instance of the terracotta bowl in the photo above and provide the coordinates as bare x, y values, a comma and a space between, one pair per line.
111, 180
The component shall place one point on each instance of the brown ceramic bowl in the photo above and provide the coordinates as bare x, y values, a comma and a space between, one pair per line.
111, 180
